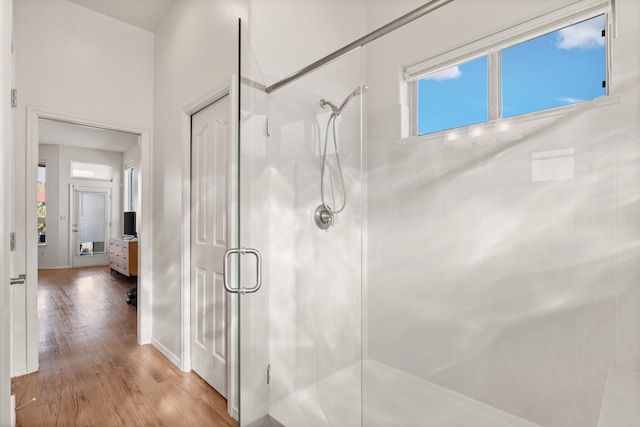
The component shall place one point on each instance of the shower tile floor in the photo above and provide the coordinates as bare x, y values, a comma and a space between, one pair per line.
391, 396
621, 402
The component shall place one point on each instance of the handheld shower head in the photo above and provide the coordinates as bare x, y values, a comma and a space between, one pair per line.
357, 91
324, 214
337, 110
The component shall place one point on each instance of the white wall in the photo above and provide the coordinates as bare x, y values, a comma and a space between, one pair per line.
287, 35
78, 62
195, 51
315, 275
55, 254
518, 294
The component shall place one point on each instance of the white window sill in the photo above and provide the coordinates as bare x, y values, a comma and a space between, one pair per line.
505, 130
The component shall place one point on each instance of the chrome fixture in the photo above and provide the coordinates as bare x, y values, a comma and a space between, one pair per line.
226, 269
337, 110
18, 280
391, 26
324, 215
357, 91
324, 103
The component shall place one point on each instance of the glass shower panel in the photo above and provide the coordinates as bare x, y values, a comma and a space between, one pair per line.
253, 198
300, 334
315, 271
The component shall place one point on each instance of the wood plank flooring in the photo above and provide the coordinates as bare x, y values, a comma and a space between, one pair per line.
92, 371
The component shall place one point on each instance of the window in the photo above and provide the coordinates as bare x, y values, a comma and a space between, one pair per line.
129, 186
91, 171
546, 63
442, 95
560, 68
42, 203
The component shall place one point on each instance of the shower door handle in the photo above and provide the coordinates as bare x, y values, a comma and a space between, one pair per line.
225, 274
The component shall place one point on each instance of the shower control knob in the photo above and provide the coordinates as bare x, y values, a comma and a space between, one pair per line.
323, 217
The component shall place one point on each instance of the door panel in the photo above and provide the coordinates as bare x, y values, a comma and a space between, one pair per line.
90, 226
253, 232
209, 241
301, 331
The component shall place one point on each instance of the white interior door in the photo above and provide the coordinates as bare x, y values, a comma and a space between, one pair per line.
90, 226
209, 241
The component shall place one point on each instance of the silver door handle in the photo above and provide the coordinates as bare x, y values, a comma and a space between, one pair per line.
18, 280
225, 274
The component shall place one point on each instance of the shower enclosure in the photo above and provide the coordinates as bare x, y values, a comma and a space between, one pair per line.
488, 282
302, 329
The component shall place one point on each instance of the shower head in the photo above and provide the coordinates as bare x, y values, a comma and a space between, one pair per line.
357, 91
337, 110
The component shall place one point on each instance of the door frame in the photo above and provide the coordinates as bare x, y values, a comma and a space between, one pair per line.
226, 88
34, 114
7, 399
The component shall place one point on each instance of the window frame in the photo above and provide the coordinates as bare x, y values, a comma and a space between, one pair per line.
129, 183
492, 46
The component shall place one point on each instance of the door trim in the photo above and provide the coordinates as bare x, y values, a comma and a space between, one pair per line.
227, 87
34, 114
7, 399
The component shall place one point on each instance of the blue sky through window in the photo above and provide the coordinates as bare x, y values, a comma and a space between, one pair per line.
560, 68
454, 97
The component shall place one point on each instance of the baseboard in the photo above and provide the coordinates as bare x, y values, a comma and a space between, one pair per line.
62, 267
57, 267
166, 353
21, 372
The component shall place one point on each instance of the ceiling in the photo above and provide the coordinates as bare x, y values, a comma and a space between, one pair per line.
61, 133
145, 14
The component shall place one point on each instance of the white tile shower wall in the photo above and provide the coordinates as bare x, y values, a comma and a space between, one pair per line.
501, 270
626, 81
315, 279
518, 294
311, 333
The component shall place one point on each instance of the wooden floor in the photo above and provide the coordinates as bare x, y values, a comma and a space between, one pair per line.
92, 371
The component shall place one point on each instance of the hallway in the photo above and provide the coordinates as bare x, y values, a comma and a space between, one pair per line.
92, 371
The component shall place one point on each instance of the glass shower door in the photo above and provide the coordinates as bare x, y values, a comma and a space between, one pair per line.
252, 240
300, 333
